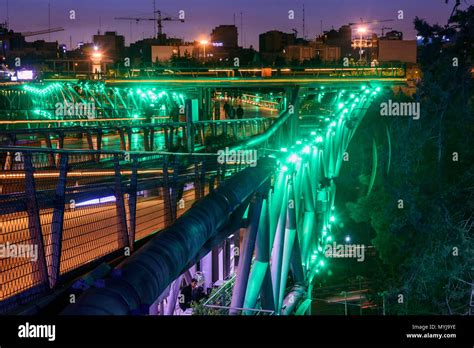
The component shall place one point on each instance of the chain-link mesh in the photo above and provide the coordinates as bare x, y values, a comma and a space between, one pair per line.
65, 209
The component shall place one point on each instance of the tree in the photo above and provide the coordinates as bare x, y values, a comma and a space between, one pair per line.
420, 212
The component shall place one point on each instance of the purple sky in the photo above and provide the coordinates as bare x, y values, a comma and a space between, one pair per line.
203, 15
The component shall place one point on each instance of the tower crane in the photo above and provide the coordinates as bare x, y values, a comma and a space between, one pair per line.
159, 20
375, 21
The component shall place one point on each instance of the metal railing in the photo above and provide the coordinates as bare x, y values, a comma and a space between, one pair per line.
327, 70
135, 137
60, 210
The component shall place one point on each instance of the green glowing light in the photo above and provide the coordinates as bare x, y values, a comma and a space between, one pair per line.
298, 142
332, 218
319, 139
352, 96
313, 133
306, 149
293, 158
284, 168
329, 238
341, 105
321, 263
378, 89
284, 149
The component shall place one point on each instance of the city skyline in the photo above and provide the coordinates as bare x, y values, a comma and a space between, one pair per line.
198, 24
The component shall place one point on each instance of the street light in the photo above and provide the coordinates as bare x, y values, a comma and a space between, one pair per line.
361, 31
204, 44
96, 58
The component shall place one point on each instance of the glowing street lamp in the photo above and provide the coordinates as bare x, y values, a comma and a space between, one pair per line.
361, 31
96, 58
204, 43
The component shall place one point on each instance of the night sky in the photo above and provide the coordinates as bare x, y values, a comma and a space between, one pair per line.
203, 15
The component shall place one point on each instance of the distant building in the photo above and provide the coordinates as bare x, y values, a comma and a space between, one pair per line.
327, 53
404, 51
341, 38
272, 45
9, 40
110, 44
165, 53
393, 35
299, 53
141, 51
224, 43
225, 36
13, 44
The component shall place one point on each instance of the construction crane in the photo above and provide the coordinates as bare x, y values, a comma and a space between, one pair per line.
159, 21
383, 29
5, 30
41, 32
376, 21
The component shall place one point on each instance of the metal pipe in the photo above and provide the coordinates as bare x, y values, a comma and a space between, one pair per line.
143, 276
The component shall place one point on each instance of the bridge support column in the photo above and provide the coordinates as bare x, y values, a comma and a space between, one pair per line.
226, 251
58, 221
123, 143
99, 143
129, 136
132, 203
51, 161
260, 278
34, 223
146, 143
246, 253
206, 269
192, 115
120, 204
205, 104
169, 192
278, 244
173, 295
215, 264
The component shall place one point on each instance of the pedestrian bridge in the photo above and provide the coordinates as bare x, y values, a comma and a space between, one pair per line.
120, 231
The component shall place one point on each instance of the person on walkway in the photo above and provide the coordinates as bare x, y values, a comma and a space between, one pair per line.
240, 112
227, 110
187, 294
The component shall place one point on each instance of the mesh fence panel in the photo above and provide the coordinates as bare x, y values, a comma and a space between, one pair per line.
80, 205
